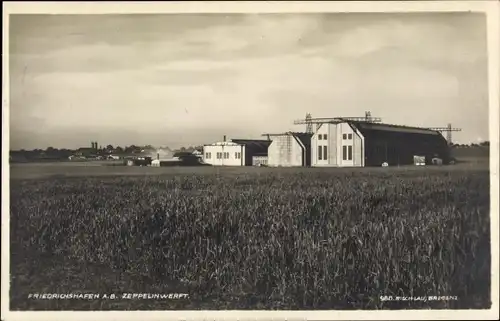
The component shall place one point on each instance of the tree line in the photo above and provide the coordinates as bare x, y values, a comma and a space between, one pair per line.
51, 153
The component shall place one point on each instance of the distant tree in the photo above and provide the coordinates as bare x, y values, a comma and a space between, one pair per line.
119, 149
109, 147
485, 144
130, 149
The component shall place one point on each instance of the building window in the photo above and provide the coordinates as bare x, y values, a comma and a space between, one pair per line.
349, 136
219, 155
344, 152
320, 137
320, 156
344, 136
207, 155
325, 154
349, 152
324, 136
226, 155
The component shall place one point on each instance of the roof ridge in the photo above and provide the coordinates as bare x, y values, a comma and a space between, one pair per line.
395, 125
392, 125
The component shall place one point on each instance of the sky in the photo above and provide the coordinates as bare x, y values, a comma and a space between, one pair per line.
189, 79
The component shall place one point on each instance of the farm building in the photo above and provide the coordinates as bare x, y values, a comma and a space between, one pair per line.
198, 153
162, 153
235, 152
290, 149
357, 143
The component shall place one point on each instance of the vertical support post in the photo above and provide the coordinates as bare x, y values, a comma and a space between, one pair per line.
448, 135
309, 123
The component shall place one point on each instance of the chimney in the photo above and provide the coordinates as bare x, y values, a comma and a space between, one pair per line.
224, 138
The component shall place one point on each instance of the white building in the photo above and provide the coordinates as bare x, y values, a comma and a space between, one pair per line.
337, 144
290, 149
259, 161
236, 152
162, 153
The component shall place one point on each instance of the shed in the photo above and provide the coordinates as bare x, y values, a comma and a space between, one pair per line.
290, 149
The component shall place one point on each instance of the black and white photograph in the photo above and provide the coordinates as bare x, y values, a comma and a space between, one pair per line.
251, 158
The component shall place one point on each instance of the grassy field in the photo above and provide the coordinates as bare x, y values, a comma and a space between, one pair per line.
250, 238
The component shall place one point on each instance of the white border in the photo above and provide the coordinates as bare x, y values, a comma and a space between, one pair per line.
491, 8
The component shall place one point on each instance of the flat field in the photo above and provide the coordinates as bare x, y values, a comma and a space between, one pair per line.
250, 238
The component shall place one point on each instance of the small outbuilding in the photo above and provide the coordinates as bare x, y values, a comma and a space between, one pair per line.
290, 149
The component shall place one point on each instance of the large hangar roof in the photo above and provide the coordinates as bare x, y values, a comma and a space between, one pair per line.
366, 127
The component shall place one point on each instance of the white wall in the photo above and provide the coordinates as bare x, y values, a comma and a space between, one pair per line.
224, 147
359, 149
335, 142
316, 143
354, 141
279, 155
345, 138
